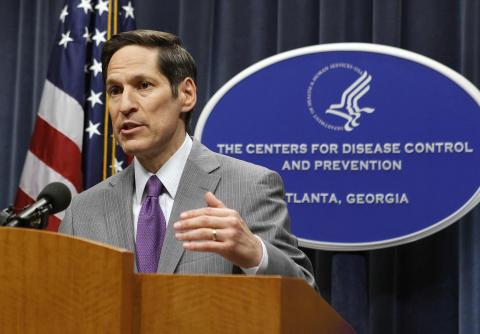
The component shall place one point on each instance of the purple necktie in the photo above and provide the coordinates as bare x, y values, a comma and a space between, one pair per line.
151, 228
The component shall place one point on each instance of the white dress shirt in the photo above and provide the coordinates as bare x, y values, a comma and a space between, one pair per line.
169, 174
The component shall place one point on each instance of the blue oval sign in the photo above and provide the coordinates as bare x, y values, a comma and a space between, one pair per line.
377, 146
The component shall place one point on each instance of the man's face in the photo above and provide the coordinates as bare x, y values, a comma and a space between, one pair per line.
145, 115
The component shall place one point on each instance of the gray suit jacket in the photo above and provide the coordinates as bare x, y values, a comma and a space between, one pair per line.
104, 213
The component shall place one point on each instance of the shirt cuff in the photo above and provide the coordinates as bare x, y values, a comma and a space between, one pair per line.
262, 267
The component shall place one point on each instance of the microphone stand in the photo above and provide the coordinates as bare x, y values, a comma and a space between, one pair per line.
38, 219
6, 215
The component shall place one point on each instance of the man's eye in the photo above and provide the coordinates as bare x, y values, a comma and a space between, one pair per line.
114, 91
144, 84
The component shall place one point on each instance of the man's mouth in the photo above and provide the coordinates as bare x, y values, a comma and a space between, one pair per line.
130, 127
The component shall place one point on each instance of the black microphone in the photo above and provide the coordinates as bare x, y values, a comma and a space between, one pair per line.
55, 197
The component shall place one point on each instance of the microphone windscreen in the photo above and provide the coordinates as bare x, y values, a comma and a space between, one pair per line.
57, 194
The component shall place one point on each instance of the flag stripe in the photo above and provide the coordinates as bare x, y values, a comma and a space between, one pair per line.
54, 222
63, 112
36, 175
22, 200
45, 136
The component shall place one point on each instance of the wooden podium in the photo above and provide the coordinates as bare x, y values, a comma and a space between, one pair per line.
51, 283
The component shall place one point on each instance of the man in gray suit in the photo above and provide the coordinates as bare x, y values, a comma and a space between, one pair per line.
179, 206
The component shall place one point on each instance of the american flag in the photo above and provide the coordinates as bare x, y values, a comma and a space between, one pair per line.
72, 140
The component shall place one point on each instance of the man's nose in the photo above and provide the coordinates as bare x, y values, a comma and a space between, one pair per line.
128, 102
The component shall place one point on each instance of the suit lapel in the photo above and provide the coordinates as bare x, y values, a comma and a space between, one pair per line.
118, 209
196, 180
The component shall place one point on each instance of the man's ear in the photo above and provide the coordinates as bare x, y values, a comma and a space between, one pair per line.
187, 92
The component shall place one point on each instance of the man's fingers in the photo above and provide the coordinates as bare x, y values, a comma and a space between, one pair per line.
209, 211
206, 246
202, 222
212, 201
209, 234
215, 207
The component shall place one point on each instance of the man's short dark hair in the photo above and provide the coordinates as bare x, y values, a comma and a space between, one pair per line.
174, 62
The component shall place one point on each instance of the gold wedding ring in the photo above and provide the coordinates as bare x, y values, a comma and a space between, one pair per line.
214, 234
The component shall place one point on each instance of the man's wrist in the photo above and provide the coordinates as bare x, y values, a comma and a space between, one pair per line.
262, 267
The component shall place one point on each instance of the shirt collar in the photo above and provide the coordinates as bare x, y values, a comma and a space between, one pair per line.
169, 174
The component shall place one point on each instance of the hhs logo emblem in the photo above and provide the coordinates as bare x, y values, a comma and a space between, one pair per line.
340, 110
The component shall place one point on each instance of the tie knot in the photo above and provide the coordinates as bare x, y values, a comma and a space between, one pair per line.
154, 186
